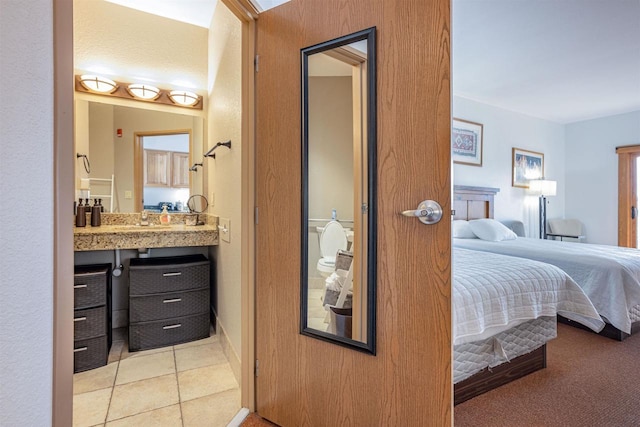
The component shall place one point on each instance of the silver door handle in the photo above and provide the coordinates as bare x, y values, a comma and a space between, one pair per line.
428, 212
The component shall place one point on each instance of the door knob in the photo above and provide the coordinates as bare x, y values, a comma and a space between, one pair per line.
428, 212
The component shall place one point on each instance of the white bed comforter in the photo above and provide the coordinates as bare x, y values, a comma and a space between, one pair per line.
493, 293
609, 275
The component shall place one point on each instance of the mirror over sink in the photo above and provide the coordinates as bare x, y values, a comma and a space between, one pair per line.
338, 191
146, 152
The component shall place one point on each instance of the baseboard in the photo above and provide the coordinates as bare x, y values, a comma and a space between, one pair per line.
228, 350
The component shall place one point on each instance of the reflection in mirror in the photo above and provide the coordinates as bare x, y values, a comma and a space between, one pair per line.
110, 134
338, 200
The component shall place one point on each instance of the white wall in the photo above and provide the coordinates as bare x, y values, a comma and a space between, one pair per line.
225, 171
592, 172
503, 130
123, 44
26, 183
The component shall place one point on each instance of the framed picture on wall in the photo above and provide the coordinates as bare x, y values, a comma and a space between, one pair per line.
526, 165
466, 142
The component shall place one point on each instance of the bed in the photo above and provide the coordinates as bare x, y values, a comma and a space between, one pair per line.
504, 313
609, 275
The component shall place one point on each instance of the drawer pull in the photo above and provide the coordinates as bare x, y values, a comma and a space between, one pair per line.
172, 326
177, 273
167, 301
79, 286
79, 319
78, 350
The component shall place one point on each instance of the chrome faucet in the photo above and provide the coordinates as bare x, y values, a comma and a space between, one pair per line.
144, 218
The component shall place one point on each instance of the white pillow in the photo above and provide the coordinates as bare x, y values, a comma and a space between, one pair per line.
462, 230
490, 229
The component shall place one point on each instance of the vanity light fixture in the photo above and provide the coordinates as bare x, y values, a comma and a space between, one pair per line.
98, 83
183, 97
143, 91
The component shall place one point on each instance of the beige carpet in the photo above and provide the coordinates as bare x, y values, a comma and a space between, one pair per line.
589, 381
254, 420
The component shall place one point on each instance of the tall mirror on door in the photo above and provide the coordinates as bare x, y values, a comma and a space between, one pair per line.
338, 191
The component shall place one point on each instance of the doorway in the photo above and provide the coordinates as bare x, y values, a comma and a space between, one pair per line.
628, 195
238, 341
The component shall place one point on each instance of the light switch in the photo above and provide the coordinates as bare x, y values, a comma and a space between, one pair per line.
224, 229
128, 195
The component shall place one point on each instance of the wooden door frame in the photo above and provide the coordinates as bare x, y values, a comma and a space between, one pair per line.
627, 195
247, 14
62, 375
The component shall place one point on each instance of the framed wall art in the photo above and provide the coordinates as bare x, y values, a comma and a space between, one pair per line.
526, 165
466, 142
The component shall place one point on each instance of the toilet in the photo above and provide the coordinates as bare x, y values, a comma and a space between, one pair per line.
332, 239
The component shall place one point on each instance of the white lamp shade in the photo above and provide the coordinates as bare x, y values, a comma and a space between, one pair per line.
543, 187
98, 84
183, 97
143, 91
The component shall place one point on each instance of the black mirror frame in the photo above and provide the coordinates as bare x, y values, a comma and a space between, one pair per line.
369, 346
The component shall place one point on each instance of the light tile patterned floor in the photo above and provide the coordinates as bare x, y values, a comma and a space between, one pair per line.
186, 385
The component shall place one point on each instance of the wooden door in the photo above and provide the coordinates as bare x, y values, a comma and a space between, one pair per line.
304, 381
628, 195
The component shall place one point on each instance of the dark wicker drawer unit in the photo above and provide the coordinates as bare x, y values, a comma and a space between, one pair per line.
168, 301
90, 353
167, 305
160, 333
92, 316
90, 322
89, 289
167, 274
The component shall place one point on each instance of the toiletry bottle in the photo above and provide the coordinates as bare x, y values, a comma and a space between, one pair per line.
165, 218
81, 217
334, 214
100, 204
95, 214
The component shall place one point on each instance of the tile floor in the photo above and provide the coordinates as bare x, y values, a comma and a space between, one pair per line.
316, 314
186, 385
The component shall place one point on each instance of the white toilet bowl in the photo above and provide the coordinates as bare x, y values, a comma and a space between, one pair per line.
332, 239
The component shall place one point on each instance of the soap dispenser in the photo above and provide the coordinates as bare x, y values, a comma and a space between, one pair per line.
165, 218
95, 214
81, 215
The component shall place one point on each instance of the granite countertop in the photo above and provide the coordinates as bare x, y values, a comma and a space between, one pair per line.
120, 232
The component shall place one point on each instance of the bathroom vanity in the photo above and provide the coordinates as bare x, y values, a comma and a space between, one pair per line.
161, 276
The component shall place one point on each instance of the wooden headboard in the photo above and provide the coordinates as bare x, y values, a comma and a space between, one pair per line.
473, 202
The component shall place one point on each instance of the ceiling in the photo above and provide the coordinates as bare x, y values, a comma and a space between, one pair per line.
563, 61
196, 12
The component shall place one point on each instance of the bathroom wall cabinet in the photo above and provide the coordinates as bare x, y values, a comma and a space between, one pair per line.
92, 316
166, 169
179, 170
168, 301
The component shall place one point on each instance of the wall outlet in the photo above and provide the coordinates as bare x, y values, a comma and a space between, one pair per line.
212, 199
128, 195
224, 229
